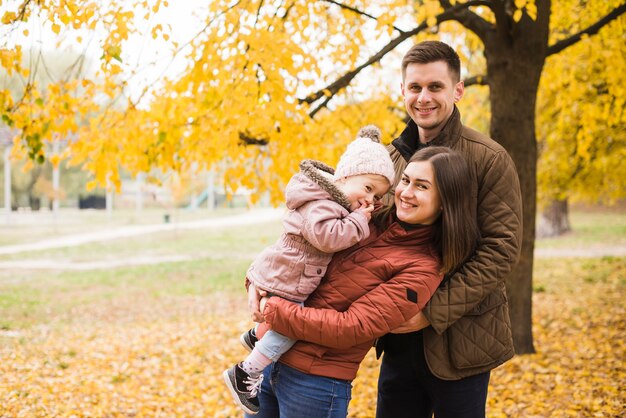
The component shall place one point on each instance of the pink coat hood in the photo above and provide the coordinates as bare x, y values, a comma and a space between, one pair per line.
318, 223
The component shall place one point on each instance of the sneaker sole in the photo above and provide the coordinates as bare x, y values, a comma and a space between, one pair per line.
244, 343
234, 394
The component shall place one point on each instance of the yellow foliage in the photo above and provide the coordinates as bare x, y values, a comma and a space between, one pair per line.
580, 114
10, 59
247, 75
8, 18
243, 100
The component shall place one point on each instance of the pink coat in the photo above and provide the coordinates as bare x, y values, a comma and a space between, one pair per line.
318, 224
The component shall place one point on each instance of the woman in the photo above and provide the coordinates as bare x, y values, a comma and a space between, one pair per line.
371, 288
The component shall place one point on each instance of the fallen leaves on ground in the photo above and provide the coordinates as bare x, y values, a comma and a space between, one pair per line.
135, 360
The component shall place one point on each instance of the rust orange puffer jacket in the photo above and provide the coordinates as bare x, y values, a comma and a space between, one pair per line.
368, 290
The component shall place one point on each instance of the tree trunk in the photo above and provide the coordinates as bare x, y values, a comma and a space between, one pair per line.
512, 124
515, 57
554, 220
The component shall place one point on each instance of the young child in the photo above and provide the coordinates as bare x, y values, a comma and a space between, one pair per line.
328, 211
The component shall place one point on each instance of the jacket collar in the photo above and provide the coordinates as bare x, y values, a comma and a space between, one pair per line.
416, 236
408, 142
322, 174
398, 232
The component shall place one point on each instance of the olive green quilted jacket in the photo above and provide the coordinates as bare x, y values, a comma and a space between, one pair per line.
470, 330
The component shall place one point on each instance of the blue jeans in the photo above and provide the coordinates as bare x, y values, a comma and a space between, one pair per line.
288, 393
407, 388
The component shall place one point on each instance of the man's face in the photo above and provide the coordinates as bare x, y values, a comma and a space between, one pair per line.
429, 96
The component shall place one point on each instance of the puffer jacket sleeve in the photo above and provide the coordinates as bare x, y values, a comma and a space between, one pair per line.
326, 228
371, 316
500, 221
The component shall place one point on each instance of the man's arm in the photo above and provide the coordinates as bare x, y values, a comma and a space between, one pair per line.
416, 323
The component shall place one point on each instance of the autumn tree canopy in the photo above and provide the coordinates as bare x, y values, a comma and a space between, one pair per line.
269, 83
581, 113
259, 73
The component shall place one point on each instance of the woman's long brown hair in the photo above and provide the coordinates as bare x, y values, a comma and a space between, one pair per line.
456, 229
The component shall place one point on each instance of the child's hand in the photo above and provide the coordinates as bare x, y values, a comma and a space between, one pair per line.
262, 304
254, 298
366, 209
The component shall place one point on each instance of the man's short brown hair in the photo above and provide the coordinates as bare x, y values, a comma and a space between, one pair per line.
433, 51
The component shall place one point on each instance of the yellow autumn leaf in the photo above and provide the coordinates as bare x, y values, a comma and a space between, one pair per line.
531, 9
8, 17
92, 184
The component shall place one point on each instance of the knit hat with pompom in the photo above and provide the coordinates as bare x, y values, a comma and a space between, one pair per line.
366, 155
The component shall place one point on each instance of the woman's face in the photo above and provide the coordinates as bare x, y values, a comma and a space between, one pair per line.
417, 197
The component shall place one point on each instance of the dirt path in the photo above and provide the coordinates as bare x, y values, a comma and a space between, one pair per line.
248, 218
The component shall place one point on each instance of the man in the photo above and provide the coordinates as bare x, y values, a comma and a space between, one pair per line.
440, 361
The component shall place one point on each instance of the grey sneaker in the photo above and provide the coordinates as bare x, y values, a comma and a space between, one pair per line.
248, 339
244, 388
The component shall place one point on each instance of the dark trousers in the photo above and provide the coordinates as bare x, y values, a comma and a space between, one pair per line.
407, 388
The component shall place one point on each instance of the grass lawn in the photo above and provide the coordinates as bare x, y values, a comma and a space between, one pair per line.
152, 340
590, 229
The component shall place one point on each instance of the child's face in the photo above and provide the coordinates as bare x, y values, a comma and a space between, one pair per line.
364, 189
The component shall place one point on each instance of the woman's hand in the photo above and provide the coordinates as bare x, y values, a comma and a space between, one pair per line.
254, 298
416, 323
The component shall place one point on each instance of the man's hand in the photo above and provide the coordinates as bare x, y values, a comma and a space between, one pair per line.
254, 298
416, 323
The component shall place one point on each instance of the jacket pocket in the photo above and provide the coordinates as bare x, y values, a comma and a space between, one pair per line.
310, 278
492, 301
481, 338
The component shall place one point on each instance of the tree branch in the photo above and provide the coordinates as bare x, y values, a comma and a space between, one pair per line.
477, 80
591, 30
352, 9
357, 11
258, 13
469, 19
246, 139
330, 90
503, 10
288, 10
22, 10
